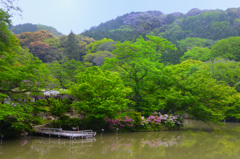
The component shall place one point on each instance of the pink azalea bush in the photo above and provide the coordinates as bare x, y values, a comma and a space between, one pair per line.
151, 123
154, 120
122, 123
170, 121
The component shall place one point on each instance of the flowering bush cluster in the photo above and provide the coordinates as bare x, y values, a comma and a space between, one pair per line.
125, 122
152, 122
170, 121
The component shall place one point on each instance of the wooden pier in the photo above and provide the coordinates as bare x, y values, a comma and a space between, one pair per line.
56, 132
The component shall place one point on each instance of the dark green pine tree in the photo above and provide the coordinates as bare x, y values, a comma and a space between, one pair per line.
71, 49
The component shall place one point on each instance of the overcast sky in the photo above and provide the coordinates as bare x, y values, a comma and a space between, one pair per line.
79, 15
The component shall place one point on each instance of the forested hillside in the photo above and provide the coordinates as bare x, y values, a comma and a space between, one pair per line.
209, 24
28, 27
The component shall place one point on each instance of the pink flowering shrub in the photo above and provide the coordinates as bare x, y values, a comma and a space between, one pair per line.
150, 123
122, 123
170, 121
127, 122
113, 124
154, 120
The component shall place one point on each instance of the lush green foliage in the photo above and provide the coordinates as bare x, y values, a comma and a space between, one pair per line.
21, 75
99, 93
71, 48
197, 53
195, 42
189, 87
172, 56
225, 71
227, 48
122, 80
135, 61
94, 47
96, 59
65, 71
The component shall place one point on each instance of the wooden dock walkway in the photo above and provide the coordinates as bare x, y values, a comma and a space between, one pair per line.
58, 132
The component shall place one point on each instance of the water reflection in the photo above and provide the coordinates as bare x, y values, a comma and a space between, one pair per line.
218, 142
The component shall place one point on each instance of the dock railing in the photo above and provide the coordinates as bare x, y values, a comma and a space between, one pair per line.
71, 134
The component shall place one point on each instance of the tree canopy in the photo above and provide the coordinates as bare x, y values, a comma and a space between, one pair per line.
134, 61
227, 48
99, 93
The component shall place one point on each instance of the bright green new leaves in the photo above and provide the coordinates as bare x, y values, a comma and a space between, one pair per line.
135, 61
189, 43
59, 108
99, 93
65, 71
188, 87
96, 59
225, 70
212, 99
26, 74
93, 47
21, 75
227, 48
197, 53
13, 120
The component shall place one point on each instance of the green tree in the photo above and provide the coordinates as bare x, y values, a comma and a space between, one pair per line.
227, 71
227, 48
26, 38
44, 52
195, 42
172, 56
96, 59
220, 29
21, 75
58, 108
71, 49
65, 71
197, 53
99, 93
134, 61
188, 87
93, 47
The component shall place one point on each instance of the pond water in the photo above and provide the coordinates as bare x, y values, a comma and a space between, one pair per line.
195, 141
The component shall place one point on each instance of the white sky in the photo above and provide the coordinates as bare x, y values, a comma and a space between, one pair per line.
79, 15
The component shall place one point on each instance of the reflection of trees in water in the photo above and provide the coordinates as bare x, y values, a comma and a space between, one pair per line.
211, 144
173, 145
218, 143
27, 148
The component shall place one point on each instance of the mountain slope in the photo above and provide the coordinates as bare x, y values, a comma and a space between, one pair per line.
28, 27
210, 24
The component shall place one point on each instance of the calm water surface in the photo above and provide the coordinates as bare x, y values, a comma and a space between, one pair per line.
195, 141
